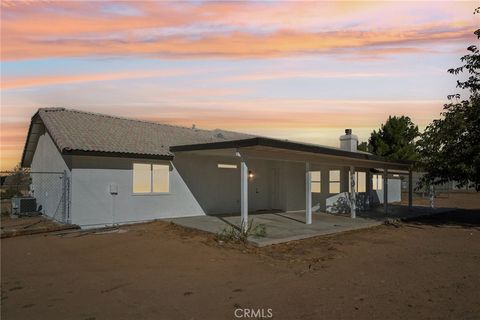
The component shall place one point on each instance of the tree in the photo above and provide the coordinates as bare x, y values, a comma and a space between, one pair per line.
363, 146
450, 146
16, 183
395, 140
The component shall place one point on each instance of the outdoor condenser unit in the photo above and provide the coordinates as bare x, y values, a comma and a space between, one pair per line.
23, 205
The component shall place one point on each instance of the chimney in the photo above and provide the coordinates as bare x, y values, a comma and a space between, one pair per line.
349, 141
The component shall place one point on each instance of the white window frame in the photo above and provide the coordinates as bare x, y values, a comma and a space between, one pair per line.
151, 179
339, 181
317, 182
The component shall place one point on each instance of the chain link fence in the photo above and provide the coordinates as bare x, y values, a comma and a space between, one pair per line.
439, 191
51, 191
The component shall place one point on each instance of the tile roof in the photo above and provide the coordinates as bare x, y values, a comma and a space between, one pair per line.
74, 130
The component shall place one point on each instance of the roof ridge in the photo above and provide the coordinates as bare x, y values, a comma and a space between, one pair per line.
50, 109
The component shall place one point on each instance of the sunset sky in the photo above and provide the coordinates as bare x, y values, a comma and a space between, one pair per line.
297, 70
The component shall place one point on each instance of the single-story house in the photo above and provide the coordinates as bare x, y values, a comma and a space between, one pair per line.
117, 170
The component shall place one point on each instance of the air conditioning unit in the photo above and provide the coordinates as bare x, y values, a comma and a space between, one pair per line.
24, 206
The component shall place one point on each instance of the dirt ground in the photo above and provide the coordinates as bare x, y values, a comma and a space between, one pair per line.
447, 200
28, 225
422, 269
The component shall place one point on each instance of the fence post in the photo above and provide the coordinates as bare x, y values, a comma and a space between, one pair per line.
432, 197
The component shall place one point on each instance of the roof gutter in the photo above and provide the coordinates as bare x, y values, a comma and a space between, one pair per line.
116, 154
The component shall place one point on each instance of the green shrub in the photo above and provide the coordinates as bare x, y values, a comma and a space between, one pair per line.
235, 234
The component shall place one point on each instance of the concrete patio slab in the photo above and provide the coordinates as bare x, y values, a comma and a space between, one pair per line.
289, 226
280, 227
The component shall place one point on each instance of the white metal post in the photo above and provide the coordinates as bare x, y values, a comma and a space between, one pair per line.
353, 192
308, 194
244, 195
410, 190
385, 190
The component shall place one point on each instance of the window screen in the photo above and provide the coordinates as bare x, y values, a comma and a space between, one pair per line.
148, 178
160, 177
142, 181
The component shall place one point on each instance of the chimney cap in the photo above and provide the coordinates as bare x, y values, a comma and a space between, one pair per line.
348, 131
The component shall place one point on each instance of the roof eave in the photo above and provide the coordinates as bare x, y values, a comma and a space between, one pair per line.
23, 163
288, 145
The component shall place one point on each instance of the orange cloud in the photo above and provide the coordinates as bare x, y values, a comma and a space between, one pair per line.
11, 144
272, 75
238, 44
14, 83
233, 30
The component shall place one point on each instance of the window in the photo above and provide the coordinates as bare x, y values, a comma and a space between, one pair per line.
377, 182
334, 181
226, 166
361, 181
151, 178
142, 181
160, 178
316, 183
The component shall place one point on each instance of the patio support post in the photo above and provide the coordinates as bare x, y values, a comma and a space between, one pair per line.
368, 183
385, 190
244, 195
410, 190
353, 193
308, 194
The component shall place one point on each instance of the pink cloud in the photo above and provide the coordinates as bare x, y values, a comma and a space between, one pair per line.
233, 30
22, 82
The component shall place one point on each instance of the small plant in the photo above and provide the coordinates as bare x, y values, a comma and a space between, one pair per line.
230, 233
260, 230
235, 234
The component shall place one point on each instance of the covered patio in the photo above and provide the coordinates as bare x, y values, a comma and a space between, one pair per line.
300, 180
290, 226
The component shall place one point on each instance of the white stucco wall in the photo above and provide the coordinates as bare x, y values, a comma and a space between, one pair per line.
218, 190
294, 183
93, 204
46, 167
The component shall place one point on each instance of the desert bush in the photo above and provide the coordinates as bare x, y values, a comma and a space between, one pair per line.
235, 234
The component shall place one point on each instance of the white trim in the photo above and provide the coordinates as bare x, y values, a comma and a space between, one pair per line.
152, 194
308, 194
244, 194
